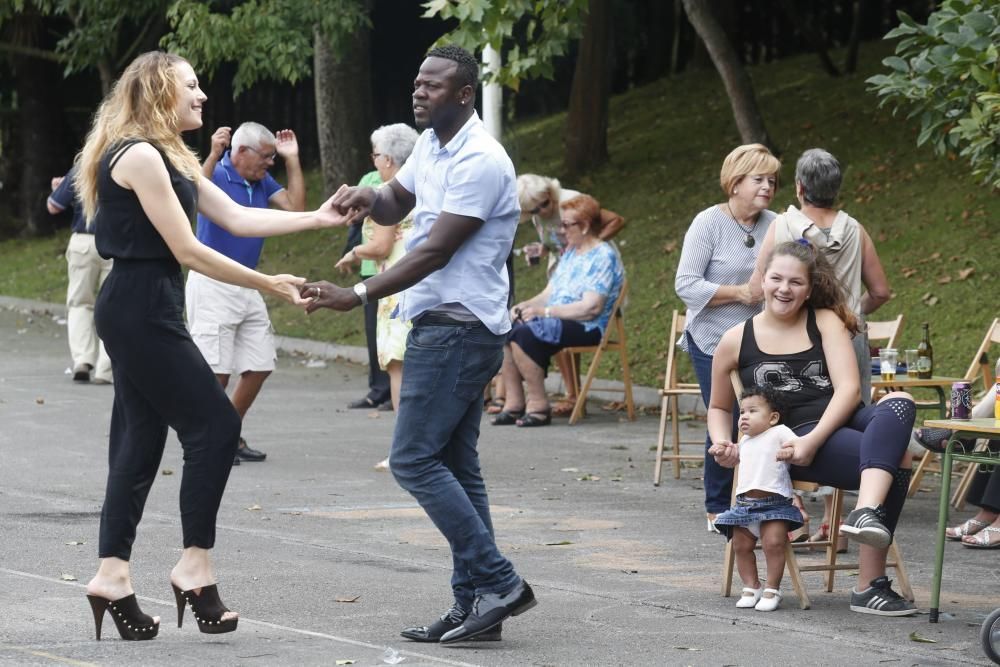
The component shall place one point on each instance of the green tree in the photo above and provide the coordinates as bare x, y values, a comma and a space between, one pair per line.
39, 39
530, 35
946, 73
102, 35
287, 40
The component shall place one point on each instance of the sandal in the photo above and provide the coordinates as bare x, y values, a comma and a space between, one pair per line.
823, 535
563, 408
207, 608
969, 528
495, 406
507, 417
981, 539
536, 419
132, 624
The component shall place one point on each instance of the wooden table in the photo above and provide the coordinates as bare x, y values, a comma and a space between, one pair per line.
907, 382
969, 429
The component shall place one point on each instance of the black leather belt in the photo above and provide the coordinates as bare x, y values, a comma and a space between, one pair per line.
433, 319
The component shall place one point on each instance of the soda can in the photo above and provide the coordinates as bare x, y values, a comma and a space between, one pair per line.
961, 400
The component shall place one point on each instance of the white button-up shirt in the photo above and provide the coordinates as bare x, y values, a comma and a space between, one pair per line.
470, 176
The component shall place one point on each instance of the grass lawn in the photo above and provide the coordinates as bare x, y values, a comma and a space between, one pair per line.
932, 225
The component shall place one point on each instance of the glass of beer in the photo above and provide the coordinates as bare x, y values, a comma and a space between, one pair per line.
911, 358
888, 356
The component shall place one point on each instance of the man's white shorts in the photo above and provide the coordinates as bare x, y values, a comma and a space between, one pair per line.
230, 326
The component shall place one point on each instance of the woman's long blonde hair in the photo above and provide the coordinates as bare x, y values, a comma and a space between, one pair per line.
141, 105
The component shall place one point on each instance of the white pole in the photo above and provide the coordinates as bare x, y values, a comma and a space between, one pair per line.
492, 95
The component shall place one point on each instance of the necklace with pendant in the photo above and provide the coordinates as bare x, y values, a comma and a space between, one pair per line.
749, 240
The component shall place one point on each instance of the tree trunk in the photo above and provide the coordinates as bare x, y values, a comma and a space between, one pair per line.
587, 118
811, 31
739, 88
343, 109
851, 60
40, 141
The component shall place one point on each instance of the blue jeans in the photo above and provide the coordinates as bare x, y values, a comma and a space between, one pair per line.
718, 480
434, 457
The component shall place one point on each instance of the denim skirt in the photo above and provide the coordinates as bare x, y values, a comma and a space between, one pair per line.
750, 512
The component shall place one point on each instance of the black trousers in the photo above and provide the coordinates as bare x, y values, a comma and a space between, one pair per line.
161, 381
984, 491
378, 379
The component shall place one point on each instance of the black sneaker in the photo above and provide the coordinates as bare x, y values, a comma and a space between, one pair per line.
881, 600
249, 454
867, 526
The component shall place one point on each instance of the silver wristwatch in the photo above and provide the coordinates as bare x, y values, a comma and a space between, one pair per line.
362, 292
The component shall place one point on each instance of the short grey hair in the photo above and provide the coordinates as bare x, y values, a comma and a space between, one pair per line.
396, 141
251, 135
819, 174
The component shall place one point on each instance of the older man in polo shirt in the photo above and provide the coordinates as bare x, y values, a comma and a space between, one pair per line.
230, 324
461, 186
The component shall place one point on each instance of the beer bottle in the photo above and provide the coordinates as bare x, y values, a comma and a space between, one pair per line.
925, 355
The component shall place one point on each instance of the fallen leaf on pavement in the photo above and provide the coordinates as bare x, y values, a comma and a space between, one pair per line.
167, 471
75, 543
344, 662
40, 400
914, 637
67, 577
557, 544
341, 598
254, 508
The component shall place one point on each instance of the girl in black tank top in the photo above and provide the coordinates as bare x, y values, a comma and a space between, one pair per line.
801, 377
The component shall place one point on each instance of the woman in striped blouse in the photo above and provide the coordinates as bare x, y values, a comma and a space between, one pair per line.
717, 259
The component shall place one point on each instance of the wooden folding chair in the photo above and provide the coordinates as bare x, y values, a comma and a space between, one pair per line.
976, 368
670, 397
613, 339
829, 564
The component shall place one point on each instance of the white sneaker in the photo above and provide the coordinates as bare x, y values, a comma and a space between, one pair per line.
383, 465
750, 597
769, 603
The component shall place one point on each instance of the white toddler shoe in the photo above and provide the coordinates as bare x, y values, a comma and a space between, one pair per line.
750, 597
769, 603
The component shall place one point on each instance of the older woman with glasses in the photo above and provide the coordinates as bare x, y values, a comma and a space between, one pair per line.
717, 258
540, 198
573, 309
386, 245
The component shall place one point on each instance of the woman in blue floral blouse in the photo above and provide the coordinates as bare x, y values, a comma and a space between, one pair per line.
573, 309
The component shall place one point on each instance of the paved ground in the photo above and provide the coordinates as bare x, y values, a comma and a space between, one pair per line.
326, 559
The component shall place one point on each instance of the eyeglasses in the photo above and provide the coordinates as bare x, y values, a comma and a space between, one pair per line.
538, 209
270, 157
563, 224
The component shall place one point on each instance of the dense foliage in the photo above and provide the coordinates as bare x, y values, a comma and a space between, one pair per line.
947, 73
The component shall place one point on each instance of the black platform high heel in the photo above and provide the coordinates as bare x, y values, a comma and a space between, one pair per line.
132, 624
207, 608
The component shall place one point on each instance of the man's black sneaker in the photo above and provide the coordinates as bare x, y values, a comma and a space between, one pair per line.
867, 526
248, 454
881, 600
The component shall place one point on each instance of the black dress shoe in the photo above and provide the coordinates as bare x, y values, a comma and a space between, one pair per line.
488, 610
245, 453
450, 620
363, 404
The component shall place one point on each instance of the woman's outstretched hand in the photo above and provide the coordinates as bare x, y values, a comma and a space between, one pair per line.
726, 453
330, 214
287, 287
